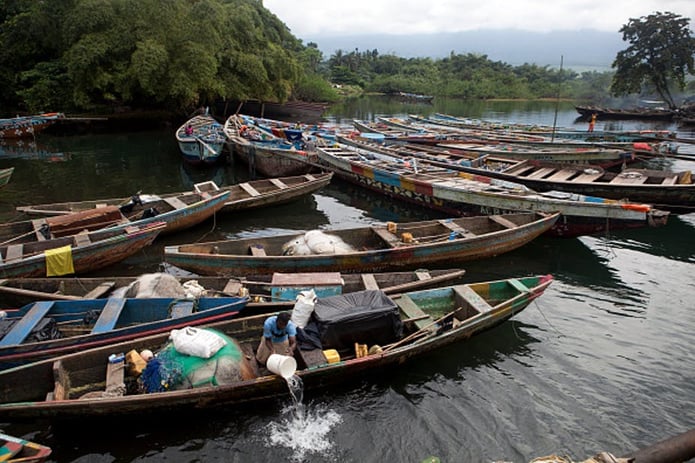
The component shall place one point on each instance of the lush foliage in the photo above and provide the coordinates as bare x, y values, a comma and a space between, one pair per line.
660, 54
179, 54
174, 54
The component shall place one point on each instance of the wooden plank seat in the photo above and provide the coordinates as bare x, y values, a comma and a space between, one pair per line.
249, 189
629, 178
82, 239
38, 225
412, 311
453, 226
100, 290
670, 180
472, 298
175, 202
61, 383
182, 309
257, 250
278, 183
540, 173
21, 329
232, 287
109, 315
309, 177
369, 281
502, 221
561, 175
519, 286
391, 239
587, 177
14, 252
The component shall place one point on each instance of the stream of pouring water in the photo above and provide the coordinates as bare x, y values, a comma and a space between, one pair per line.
303, 429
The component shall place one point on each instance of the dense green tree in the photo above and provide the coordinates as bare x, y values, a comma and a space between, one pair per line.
660, 54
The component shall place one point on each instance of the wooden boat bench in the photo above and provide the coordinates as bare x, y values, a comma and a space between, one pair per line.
629, 178
21, 329
540, 173
257, 250
181, 308
82, 239
519, 286
14, 252
670, 180
561, 175
453, 226
61, 383
502, 221
109, 315
472, 300
100, 290
587, 177
413, 312
309, 177
175, 202
38, 225
388, 237
249, 189
278, 183
369, 281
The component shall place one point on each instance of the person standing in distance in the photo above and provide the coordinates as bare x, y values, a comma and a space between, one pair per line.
279, 337
592, 122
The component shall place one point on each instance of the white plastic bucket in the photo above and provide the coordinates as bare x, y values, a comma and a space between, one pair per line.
282, 365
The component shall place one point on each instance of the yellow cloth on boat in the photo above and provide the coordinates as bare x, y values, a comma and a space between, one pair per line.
59, 261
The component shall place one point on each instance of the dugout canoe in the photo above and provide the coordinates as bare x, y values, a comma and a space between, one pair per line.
370, 248
74, 386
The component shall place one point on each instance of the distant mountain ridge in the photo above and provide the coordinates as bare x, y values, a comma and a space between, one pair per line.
580, 50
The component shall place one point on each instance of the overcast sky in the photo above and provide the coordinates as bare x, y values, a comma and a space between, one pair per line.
308, 18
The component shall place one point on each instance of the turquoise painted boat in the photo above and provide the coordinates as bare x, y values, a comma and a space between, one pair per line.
375, 248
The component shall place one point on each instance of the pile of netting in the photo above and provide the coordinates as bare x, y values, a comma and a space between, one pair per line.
173, 370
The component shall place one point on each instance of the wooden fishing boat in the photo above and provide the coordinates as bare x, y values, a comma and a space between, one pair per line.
402, 327
17, 450
80, 253
241, 196
271, 291
272, 191
5, 175
201, 140
664, 189
459, 186
265, 153
177, 211
630, 113
27, 126
290, 109
48, 328
384, 247
565, 133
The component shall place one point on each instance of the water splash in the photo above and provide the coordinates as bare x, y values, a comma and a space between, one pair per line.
304, 431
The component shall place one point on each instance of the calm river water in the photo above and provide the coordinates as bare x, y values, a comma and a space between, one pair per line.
603, 361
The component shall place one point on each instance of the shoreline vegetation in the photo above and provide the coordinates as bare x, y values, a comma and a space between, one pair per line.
88, 66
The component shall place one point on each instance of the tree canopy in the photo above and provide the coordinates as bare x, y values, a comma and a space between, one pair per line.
95, 53
660, 53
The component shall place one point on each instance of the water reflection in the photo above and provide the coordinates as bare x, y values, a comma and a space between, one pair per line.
31, 149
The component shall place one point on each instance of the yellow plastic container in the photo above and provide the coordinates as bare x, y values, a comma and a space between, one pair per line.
332, 355
135, 363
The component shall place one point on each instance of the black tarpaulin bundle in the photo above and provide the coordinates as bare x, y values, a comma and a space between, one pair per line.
364, 317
